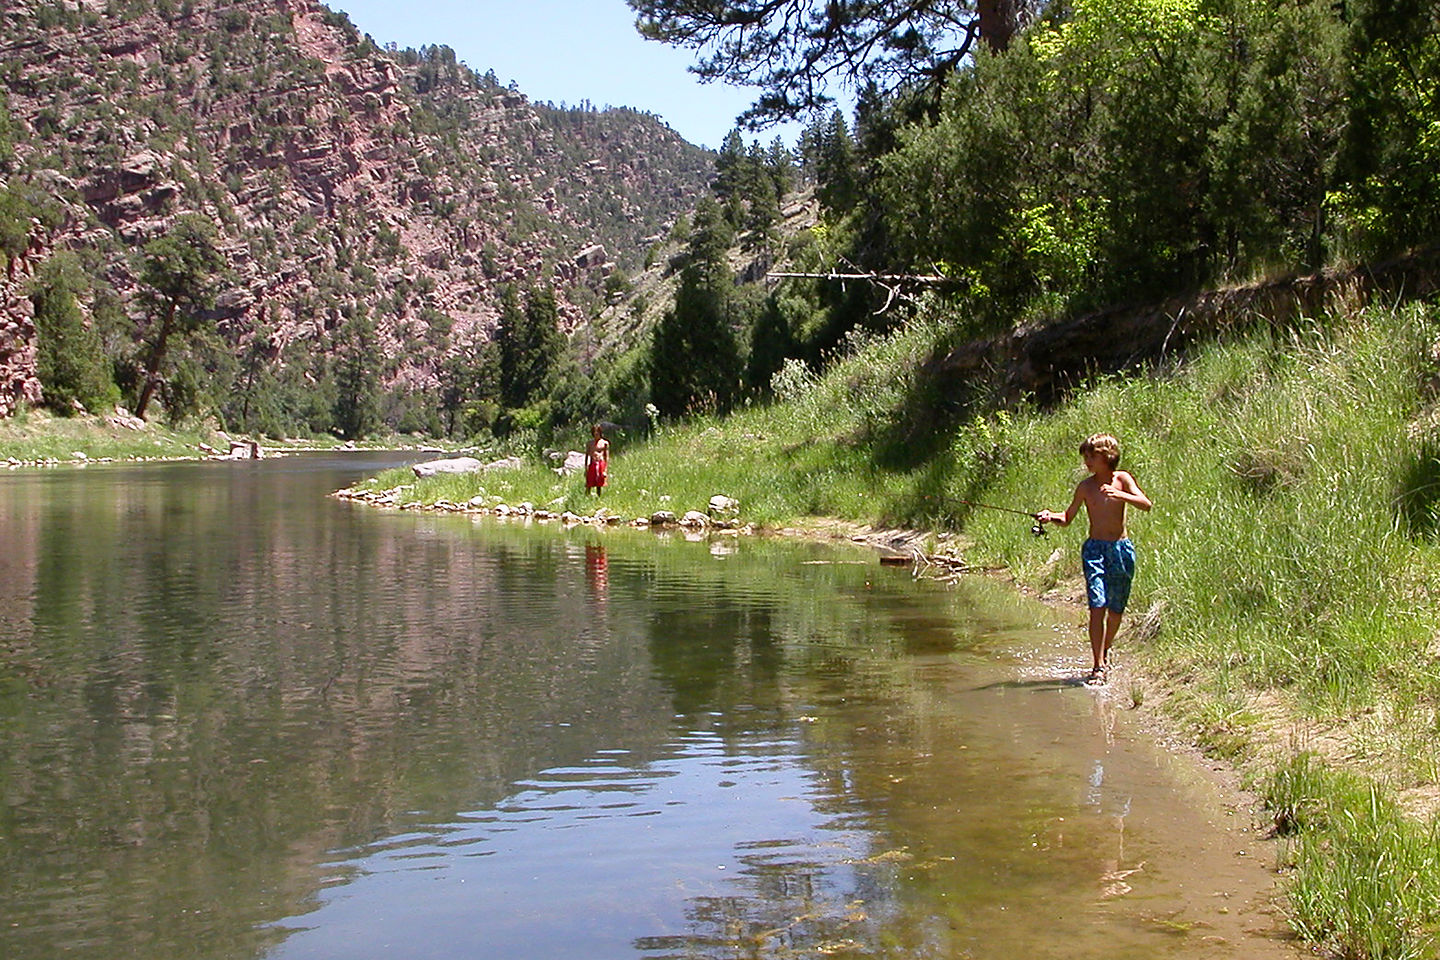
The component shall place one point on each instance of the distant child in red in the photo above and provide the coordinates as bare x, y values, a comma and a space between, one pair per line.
597, 461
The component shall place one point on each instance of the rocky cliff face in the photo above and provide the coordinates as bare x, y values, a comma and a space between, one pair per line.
18, 382
343, 178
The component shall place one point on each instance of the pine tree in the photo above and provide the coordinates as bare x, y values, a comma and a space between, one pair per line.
181, 269
530, 344
762, 201
695, 362
835, 165
511, 336
70, 363
711, 237
772, 339
780, 163
729, 166
357, 378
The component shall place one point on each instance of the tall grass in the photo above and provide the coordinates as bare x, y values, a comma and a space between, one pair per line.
1278, 546
1366, 879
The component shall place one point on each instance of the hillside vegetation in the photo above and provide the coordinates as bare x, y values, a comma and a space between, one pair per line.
367, 209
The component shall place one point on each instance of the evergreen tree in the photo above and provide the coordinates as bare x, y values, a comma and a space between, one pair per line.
695, 362
807, 149
470, 388
694, 356
547, 343
70, 363
762, 201
255, 387
357, 378
456, 384
22, 204
729, 166
772, 340
711, 237
780, 163
511, 336
530, 345
875, 124
835, 166
181, 269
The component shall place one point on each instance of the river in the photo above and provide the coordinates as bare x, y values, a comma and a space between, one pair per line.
239, 719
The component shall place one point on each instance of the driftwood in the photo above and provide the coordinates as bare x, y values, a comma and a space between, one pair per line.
892, 282
923, 278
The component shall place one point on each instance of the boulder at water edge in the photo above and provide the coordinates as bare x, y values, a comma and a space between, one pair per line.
431, 468
723, 507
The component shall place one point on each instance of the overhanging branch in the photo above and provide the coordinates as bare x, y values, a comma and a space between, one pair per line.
891, 283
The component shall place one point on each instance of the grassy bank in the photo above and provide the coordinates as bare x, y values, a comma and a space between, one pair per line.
37, 436
40, 437
1284, 602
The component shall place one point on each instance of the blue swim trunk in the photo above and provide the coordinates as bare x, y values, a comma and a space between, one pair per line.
1109, 570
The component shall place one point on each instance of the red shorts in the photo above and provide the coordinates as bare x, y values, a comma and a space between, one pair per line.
595, 474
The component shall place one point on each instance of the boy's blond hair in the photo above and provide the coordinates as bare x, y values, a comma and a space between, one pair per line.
1103, 444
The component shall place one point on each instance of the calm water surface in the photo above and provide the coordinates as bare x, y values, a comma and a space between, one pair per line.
239, 719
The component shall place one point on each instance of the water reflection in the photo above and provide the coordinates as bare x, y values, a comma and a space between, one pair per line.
240, 719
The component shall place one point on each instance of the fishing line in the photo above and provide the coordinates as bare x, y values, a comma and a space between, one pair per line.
1037, 529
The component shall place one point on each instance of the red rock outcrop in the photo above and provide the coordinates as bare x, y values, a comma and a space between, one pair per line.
341, 176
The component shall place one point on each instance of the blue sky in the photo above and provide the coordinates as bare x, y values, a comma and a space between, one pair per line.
567, 50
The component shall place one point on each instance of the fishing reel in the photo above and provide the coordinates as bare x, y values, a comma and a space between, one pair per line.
1037, 529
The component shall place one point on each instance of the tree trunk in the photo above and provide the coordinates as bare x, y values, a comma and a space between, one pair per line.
152, 368
999, 21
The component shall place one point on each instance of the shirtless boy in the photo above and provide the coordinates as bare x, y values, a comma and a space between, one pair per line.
597, 461
1108, 556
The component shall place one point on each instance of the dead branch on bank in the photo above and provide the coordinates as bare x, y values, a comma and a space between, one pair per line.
893, 283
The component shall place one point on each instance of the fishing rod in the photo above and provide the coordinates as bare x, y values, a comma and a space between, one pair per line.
1038, 529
